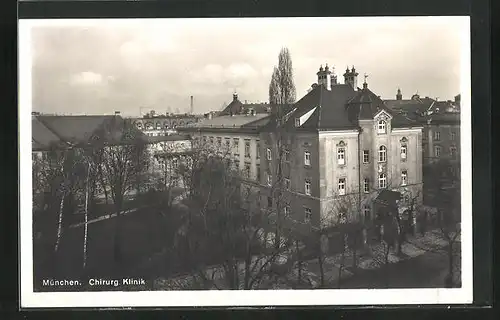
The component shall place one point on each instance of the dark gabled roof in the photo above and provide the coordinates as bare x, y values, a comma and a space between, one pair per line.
401, 120
81, 130
237, 107
444, 118
75, 128
42, 137
365, 105
329, 109
410, 107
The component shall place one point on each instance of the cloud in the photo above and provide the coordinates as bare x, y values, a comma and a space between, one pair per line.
162, 62
88, 78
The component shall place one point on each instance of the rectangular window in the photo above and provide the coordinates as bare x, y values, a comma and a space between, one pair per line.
247, 148
175, 163
404, 177
211, 140
219, 142
228, 143
269, 179
307, 215
452, 135
437, 135
366, 156
236, 145
437, 151
382, 181
269, 154
308, 187
307, 158
453, 153
204, 139
404, 152
287, 183
258, 172
382, 127
287, 155
258, 150
269, 202
342, 186
237, 165
366, 185
287, 211
341, 156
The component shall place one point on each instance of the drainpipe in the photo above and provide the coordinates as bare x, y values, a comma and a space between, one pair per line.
360, 154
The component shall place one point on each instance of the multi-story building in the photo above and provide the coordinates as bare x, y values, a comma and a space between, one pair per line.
168, 153
441, 127
236, 137
342, 141
441, 122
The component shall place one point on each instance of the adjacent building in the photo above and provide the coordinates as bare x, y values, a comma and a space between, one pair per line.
441, 127
236, 137
61, 132
163, 125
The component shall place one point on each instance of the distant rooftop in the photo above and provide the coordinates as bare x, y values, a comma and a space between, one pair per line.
235, 121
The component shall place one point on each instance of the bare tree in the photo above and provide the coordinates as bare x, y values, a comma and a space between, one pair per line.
445, 186
225, 219
123, 153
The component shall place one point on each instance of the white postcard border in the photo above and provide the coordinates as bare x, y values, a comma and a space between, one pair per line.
31, 299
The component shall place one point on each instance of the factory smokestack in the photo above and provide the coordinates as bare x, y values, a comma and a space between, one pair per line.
192, 106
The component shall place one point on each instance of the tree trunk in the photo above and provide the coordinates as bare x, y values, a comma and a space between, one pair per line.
341, 267
59, 223
386, 264
354, 252
450, 261
299, 264
117, 248
86, 220
321, 271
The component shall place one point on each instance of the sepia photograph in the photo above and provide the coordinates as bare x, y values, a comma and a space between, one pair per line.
245, 161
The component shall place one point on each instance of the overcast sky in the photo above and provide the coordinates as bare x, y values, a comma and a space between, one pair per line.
158, 64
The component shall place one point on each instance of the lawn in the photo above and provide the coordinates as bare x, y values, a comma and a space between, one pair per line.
145, 232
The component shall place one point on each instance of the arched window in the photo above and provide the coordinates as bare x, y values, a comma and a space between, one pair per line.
382, 154
382, 127
404, 177
404, 148
382, 181
341, 153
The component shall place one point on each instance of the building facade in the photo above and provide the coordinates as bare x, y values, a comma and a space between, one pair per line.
338, 146
343, 145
